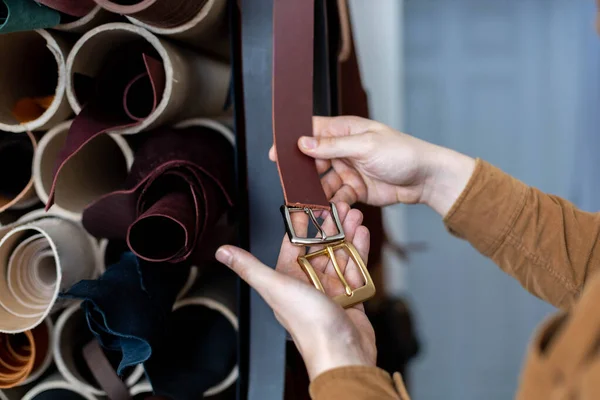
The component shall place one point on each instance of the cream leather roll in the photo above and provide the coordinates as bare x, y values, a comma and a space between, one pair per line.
39, 257
195, 85
33, 79
99, 168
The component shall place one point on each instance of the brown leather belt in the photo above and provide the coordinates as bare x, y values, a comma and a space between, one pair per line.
293, 56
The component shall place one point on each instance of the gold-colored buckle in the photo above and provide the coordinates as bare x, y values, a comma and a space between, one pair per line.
351, 296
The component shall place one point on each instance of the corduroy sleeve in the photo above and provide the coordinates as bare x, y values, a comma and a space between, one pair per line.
543, 241
358, 383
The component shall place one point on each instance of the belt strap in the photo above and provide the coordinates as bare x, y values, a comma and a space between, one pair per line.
104, 373
293, 44
266, 339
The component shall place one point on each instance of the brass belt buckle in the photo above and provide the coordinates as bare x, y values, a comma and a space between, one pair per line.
332, 243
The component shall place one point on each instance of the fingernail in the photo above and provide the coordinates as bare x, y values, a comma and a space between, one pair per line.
308, 142
224, 256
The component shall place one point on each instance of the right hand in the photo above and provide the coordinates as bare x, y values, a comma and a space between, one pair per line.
374, 164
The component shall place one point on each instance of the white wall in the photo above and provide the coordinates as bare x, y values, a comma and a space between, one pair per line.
378, 34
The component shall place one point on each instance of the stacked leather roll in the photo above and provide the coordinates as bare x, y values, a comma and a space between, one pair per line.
116, 136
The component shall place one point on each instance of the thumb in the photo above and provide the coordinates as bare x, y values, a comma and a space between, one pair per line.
353, 146
263, 279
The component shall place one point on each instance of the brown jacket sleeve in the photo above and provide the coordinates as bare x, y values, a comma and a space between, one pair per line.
359, 383
543, 241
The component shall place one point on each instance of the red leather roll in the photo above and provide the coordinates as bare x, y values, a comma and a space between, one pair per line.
179, 187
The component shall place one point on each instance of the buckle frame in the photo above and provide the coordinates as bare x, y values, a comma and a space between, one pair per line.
324, 239
352, 296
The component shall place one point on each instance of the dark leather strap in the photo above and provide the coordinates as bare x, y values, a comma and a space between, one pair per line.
179, 186
293, 47
265, 349
104, 373
352, 96
159, 13
75, 8
126, 91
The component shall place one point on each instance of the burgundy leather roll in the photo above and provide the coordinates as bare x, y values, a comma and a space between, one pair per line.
74, 8
126, 91
160, 13
179, 186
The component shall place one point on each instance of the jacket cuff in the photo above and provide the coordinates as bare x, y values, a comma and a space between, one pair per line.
487, 208
348, 382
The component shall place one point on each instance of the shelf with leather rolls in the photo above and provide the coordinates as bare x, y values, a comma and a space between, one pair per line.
117, 184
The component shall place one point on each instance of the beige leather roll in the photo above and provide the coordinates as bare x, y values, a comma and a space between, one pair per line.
208, 30
98, 16
195, 85
99, 168
39, 257
56, 387
33, 79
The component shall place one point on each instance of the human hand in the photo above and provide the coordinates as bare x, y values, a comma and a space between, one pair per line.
326, 335
372, 163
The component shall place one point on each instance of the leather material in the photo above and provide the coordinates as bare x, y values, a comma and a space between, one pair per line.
125, 92
103, 372
23, 355
19, 16
74, 8
134, 327
16, 155
39, 257
17, 354
160, 13
31, 108
179, 187
293, 34
209, 355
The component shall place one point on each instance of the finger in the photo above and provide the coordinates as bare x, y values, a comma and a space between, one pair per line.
323, 166
355, 146
361, 241
331, 182
287, 261
345, 194
279, 291
329, 225
352, 221
341, 126
288, 253
272, 154
256, 274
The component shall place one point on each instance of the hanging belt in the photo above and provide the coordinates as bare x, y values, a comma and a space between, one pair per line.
293, 56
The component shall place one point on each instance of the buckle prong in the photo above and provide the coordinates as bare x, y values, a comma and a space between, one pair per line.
313, 219
338, 271
324, 239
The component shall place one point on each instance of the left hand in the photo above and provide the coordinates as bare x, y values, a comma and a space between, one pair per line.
326, 335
